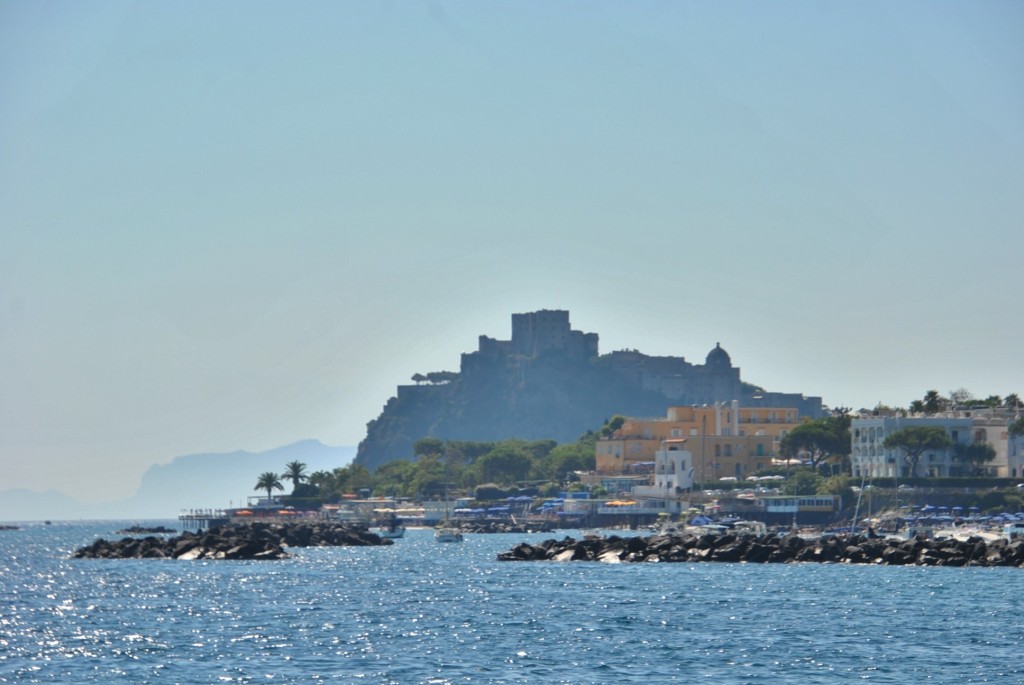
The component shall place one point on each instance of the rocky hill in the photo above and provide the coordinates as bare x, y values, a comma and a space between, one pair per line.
549, 382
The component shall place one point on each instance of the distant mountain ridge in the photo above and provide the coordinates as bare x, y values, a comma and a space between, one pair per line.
193, 481
549, 382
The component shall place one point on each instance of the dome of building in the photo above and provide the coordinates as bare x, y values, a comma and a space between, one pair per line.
718, 357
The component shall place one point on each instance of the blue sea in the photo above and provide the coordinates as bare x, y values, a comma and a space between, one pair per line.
423, 612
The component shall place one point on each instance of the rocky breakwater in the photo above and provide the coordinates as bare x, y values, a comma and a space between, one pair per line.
731, 547
485, 527
233, 541
136, 530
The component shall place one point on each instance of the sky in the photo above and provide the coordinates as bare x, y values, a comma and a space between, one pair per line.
234, 225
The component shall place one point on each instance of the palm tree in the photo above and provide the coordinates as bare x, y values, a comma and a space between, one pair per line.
295, 471
268, 481
323, 480
933, 402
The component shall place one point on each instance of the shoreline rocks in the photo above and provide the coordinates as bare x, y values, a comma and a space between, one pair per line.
773, 549
489, 527
254, 540
138, 530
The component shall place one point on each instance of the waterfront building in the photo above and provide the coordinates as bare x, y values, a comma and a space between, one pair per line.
673, 479
1014, 456
726, 440
664, 488
992, 426
869, 458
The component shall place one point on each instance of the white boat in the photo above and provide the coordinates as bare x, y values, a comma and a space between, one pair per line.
448, 535
391, 530
1013, 531
388, 525
965, 533
914, 531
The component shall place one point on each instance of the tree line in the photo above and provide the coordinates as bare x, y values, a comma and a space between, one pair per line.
459, 466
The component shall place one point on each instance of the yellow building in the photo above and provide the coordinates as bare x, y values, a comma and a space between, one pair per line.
726, 440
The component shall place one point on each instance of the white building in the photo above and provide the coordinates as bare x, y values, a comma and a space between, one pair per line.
869, 457
1015, 457
967, 425
673, 479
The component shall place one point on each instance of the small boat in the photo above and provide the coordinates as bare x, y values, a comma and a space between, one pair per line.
389, 527
391, 530
1013, 531
448, 535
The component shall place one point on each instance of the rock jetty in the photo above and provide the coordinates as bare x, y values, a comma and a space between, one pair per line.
486, 527
254, 540
136, 530
731, 547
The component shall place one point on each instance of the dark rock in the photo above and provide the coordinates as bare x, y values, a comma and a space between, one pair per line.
758, 553
136, 530
256, 540
856, 549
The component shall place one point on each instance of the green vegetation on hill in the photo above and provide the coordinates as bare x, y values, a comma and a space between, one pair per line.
466, 466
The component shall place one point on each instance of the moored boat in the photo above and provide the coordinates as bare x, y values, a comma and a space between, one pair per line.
391, 530
448, 534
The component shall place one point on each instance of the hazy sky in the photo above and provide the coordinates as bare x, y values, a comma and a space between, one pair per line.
233, 225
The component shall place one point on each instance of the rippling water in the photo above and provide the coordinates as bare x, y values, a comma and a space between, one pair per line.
421, 612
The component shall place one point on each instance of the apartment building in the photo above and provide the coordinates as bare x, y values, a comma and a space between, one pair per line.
726, 440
